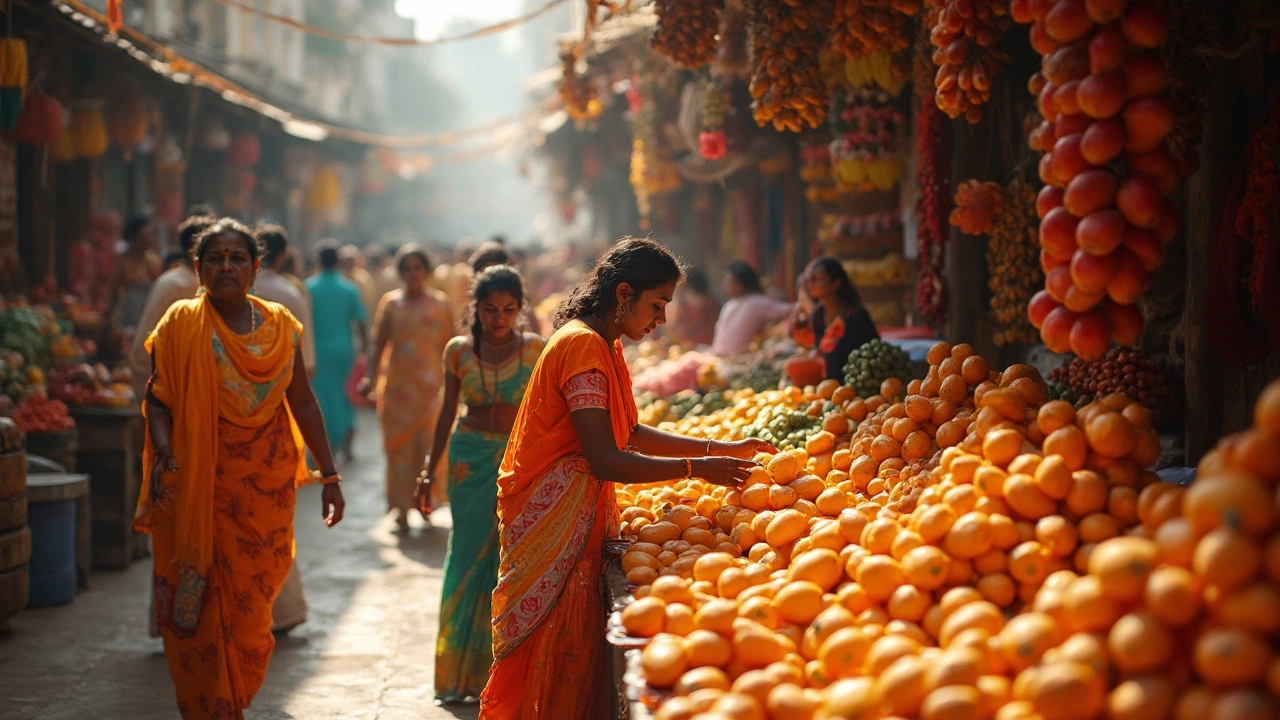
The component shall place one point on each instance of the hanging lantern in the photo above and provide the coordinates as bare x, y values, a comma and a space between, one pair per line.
245, 150
215, 136
88, 132
325, 190
41, 120
13, 80
64, 151
127, 120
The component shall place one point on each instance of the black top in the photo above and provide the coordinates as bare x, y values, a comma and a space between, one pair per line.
858, 331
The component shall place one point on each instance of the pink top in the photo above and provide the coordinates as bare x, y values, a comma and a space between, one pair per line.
742, 319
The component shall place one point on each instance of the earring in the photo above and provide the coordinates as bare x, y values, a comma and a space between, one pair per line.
617, 317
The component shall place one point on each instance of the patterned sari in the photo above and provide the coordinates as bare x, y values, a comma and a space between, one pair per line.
222, 523
464, 648
550, 655
409, 386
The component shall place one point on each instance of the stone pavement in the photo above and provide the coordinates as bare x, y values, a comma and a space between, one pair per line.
366, 651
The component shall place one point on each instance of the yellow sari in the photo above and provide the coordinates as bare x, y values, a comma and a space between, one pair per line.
550, 655
222, 523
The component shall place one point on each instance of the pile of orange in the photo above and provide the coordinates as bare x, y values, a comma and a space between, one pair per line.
1026, 566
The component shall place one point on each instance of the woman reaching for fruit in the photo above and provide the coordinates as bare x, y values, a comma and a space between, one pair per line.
576, 434
487, 369
840, 321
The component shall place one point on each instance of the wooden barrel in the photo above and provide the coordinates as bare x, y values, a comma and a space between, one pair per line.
15, 548
58, 447
10, 435
13, 474
13, 513
13, 592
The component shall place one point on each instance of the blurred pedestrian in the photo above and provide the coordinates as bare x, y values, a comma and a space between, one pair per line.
352, 266
486, 370
747, 313
137, 267
227, 412
487, 255
691, 319
840, 322
176, 283
406, 370
338, 318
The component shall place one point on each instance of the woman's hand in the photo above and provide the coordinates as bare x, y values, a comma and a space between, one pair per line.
422, 494
727, 471
332, 504
745, 449
365, 386
164, 462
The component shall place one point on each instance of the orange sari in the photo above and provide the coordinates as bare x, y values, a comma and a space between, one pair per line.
550, 655
222, 524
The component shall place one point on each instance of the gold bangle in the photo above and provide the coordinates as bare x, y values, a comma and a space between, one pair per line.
328, 479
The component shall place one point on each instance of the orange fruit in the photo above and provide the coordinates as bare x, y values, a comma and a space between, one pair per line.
901, 687
1139, 643
926, 567
1122, 566
663, 661
1029, 563
1243, 704
1229, 656
886, 650
844, 651
1070, 443
1254, 607
879, 576
1111, 435
969, 536
1065, 691
679, 619
1000, 447
1054, 415
957, 665
953, 702
705, 647
1096, 527
1058, 535
645, 617
1088, 493
799, 602
756, 647
1086, 607
852, 698
1026, 638
1195, 703
1233, 500
716, 615
1226, 558
738, 706
998, 588
980, 614
1266, 411
1142, 698
1172, 595
700, 678
790, 702
709, 567
908, 603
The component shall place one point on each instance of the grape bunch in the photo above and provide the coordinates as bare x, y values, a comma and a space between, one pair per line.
873, 363
784, 429
759, 378
1120, 370
687, 30
788, 87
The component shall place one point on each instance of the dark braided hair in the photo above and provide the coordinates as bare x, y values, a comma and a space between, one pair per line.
493, 279
642, 263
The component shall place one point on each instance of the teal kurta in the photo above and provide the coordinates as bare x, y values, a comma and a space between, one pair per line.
335, 306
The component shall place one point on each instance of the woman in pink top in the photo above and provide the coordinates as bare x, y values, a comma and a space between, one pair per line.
747, 313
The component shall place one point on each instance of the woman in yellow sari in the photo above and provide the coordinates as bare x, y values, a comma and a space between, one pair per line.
228, 410
576, 434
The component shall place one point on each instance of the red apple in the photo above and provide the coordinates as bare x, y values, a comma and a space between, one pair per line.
1090, 190
1067, 21
1130, 280
1092, 273
1049, 198
1102, 141
1100, 232
1058, 233
1107, 49
1058, 282
1042, 303
1102, 95
1067, 160
1056, 329
1139, 200
1090, 335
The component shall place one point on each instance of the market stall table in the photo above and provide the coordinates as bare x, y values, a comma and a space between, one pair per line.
109, 451
55, 487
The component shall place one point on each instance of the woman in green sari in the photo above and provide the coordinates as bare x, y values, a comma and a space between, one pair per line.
487, 371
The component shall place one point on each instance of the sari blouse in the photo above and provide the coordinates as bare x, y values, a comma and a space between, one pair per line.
543, 432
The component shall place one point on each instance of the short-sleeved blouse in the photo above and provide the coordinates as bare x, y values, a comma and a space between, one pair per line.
483, 383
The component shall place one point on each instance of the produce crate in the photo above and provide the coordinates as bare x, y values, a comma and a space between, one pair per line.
617, 594
110, 450
58, 447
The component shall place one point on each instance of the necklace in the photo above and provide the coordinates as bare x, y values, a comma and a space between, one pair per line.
253, 318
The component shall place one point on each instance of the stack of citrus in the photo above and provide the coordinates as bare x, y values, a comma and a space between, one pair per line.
1023, 566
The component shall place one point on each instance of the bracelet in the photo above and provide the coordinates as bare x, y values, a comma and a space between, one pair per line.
708, 446
688, 469
329, 479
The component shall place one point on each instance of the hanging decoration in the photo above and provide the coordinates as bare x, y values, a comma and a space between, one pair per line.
1255, 218
325, 191
41, 121
816, 172
686, 30
576, 93
88, 132
127, 119
245, 151
215, 136
712, 142
978, 204
170, 182
788, 87
1107, 166
653, 172
13, 80
731, 54
866, 126
1008, 217
879, 69
965, 35
862, 28
115, 16
933, 171
64, 150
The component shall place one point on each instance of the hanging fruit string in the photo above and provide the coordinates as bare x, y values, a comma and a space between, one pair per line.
712, 143
687, 29
787, 86
933, 150
1013, 272
965, 34
1254, 218
863, 28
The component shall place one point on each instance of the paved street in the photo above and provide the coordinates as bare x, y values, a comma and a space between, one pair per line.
366, 651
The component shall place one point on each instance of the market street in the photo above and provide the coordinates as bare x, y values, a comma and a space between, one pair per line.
366, 651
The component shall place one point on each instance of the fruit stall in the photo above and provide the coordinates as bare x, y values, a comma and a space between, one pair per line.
959, 545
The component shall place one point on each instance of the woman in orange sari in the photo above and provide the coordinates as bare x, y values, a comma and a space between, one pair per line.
228, 410
576, 434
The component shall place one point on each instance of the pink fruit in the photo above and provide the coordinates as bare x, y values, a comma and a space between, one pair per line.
1107, 49
1042, 303
1049, 198
1090, 335
1129, 281
1102, 141
1067, 160
1090, 190
1056, 329
1100, 232
1067, 21
1058, 233
1139, 200
1092, 273
1102, 95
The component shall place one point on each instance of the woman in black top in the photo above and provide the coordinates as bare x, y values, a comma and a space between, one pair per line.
840, 322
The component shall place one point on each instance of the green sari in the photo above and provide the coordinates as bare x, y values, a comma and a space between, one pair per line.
464, 648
